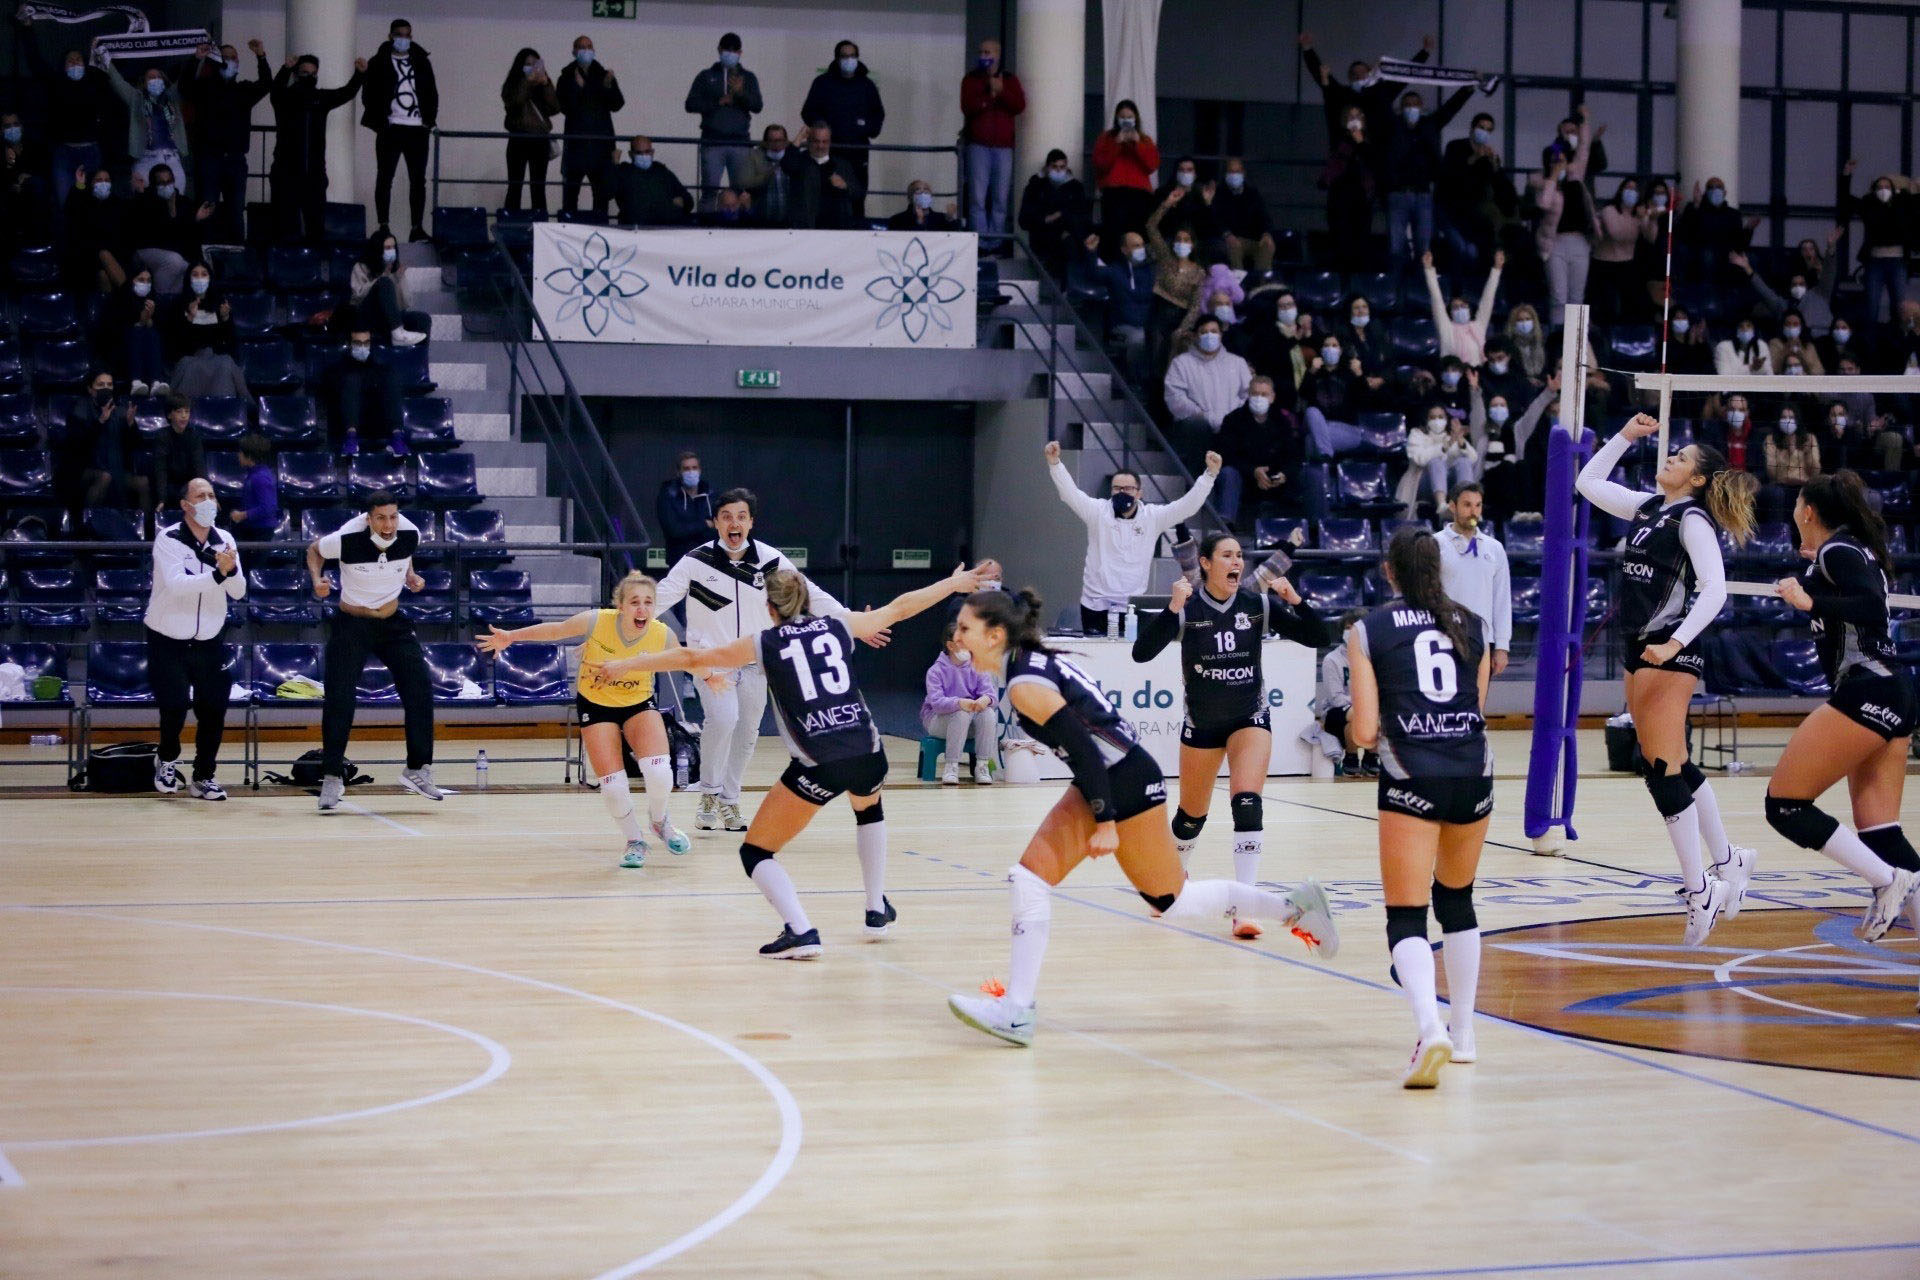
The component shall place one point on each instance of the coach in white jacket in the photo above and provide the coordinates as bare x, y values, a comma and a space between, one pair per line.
196, 571
1120, 546
724, 583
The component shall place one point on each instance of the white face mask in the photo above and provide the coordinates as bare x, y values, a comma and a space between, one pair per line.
1744, 336
1523, 327
1236, 180
1355, 125
1184, 177
1788, 426
1682, 325
1461, 315
1736, 416
1138, 253
963, 658
1450, 379
1208, 342
1497, 414
200, 284
1182, 249
1259, 405
1842, 336
1798, 291
1839, 422
1223, 314
1362, 320
1499, 367
1436, 426
205, 512
1790, 332
1287, 315
1883, 194
141, 288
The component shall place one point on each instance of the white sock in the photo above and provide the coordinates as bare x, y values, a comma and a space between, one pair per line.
1214, 899
1185, 849
657, 772
1713, 833
777, 885
871, 841
1461, 954
1850, 851
1683, 829
1413, 961
1246, 857
1032, 921
619, 802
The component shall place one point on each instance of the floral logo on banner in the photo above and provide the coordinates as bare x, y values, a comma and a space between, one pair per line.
595, 282
916, 290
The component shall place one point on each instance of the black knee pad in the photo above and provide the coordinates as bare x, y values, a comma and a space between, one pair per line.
1186, 826
1690, 773
1158, 901
875, 812
1889, 843
1405, 922
1670, 792
751, 856
1801, 821
1247, 814
1453, 908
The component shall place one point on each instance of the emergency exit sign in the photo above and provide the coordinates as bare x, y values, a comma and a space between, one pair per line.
760, 379
616, 8
912, 558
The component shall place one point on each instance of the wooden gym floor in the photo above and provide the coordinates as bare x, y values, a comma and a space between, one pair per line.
418, 1040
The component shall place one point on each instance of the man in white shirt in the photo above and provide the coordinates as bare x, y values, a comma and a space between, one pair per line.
375, 551
196, 571
1121, 534
1473, 569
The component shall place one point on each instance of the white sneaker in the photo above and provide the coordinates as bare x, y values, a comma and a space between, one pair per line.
995, 1016
408, 338
730, 818
1735, 872
1464, 1052
951, 777
676, 839
332, 792
1432, 1053
1704, 910
1314, 924
1888, 902
420, 782
707, 816
636, 854
161, 389
206, 789
166, 780
136, 388
983, 774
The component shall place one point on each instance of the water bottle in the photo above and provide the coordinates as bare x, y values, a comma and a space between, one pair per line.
1739, 766
1115, 627
44, 740
682, 766
1133, 625
480, 770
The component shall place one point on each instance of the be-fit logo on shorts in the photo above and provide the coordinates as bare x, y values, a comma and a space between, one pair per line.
1408, 800
813, 790
1885, 717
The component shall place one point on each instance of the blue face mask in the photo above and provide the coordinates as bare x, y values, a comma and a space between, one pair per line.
1716, 197
1450, 379
849, 65
1058, 176
165, 190
401, 44
74, 73
1497, 414
389, 255
1410, 114
1629, 198
12, 134
1236, 180
923, 199
156, 87
984, 63
729, 59
1208, 342
1330, 354
690, 477
1483, 136
228, 71
359, 351
583, 56
643, 160
101, 190
200, 284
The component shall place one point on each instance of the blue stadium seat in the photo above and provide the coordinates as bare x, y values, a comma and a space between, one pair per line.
376, 687
1317, 290
50, 598
1413, 298
26, 475
235, 266
117, 673
344, 224
269, 366
120, 595
1362, 487
433, 604
1327, 594
37, 659
1374, 587
425, 520
410, 370
251, 314
307, 479
1349, 534
1599, 597
276, 663
228, 477
533, 675
320, 521
221, 419
448, 480
1894, 489
452, 664
1289, 246
281, 596
1385, 431
1906, 640
61, 365
34, 266
1526, 598
1413, 337
471, 530
19, 423
1738, 662
1524, 536
429, 422
1772, 539
46, 314
290, 422
13, 374
1797, 664
1381, 289
319, 359
500, 597
1897, 540
291, 268
1278, 531
298, 309
368, 473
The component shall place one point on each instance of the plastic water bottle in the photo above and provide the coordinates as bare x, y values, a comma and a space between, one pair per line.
480, 770
1133, 625
44, 740
1739, 766
1115, 625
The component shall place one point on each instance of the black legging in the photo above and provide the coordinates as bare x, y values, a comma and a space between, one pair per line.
390, 146
380, 312
527, 159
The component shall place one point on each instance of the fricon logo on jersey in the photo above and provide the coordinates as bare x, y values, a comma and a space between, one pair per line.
1228, 675
1637, 569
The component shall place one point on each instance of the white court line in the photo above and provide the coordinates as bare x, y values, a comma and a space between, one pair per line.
498, 1060
9, 1176
745, 1203
1724, 976
401, 827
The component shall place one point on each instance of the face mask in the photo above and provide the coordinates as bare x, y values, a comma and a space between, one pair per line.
205, 512
1223, 314
1842, 336
1235, 181
1184, 177
1523, 327
583, 56
389, 256
1124, 122
1436, 425
165, 190
1410, 114
1362, 320
1259, 405
12, 135
1682, 325
963, 658
1355, 125
74, 73
1794, 371
200, 284
101, 190
141, 288
1497, 414
1498, 367
1570, 141
729, 59
1483, 136
359, 351
1139, 253
1461, 315
1839, 422
1716, 197
1209, 342
1790, 332
1058, 176
1450, 379
1798, 291
1287, 315
1744, 335
156, 87
690, 477
1883, 194
103, 396
401, 44
1182, 249
305, 76
923, 199
1736, 416
1629, 198
1123, 504
1331, 355
1788, 426
643, 161
1659, 201
776, 156
983, 62
849, 65
229, 71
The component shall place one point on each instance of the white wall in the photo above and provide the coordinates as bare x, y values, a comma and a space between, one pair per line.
915, 49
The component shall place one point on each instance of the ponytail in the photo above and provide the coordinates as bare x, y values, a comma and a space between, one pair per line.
1729, 494
1840, 502
1018, 613
1413, 558
787, 593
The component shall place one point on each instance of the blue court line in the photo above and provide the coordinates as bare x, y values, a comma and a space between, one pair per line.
1556, 1037
1749, 1255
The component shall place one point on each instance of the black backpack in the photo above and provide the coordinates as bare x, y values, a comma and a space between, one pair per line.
120, 768
306, 773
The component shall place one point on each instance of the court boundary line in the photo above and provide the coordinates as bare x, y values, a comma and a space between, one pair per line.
1595, 1264
364, 812
791, 1124
9, 1176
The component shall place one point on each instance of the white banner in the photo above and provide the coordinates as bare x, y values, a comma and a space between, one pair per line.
752, 288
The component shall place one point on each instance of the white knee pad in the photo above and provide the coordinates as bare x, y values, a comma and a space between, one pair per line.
657, 772
614, 794
1032, 899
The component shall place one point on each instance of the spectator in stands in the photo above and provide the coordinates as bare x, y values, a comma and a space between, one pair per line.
23, 186
1839, 345
1473, 568
1203, 386
1843, 440
94, 452
1790, 459
1129, 285
844, 100
1501, 374
827, 192
1690, 347
1708, 230
1886, 444
299, 173
201, 316
220, 129
1056, 213
648, 192
588, 95
1743, 353
1463, 332
1276, 483
1409, 167
920, 215
156, 125
531, 104
1282, 348
1795, 343
207, 371
1440, 456
1900, 349
163, 231
1810, 301
401, 104
991, 98
366, 399
1219, 305
1528, 339
1364, 340
1490, 422
79, 106
725, 96
1351, 180
771, 169
1616, 290
179, 454
1126, 164
1567, 218
1519, 482
1246, 442
1887, 218
1332, 394
960, 699
1177, 281
129, 336
1452, 389
377, 287
196, 572
730, 209
1861, 405
1727, 425
1246, 228
1473, 196
95, 230
1195, 212
1365, 89
258, 513
685, 507
1122, 532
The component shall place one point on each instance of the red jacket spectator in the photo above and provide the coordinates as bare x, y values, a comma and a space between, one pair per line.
1125, 164
989, 114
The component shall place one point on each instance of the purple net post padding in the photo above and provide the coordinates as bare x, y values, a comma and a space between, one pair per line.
1553, 764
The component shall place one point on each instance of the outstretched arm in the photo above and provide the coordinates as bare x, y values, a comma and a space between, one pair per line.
735, 653
904, 606
497, 640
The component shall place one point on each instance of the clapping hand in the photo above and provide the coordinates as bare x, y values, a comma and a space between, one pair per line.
225, 561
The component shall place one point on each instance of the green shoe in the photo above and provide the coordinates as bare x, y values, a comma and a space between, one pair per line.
676, 840
636, 854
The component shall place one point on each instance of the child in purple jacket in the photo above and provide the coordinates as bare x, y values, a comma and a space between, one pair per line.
958, 697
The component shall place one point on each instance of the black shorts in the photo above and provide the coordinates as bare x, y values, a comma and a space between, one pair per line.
1883, 704
1213, 736
1689, 659
1137, 784
1458, 801
592, 712
819, 783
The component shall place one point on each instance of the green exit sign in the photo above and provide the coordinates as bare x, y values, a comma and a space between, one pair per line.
759, 379
616, 8
796, 554
656, 557
912, 558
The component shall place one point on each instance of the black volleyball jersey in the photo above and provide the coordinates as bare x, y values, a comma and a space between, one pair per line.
1085, 703
816, 702
1850, 627
1656, 574
1430, 721
1220, 649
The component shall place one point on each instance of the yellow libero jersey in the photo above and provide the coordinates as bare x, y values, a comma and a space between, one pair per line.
603, 645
